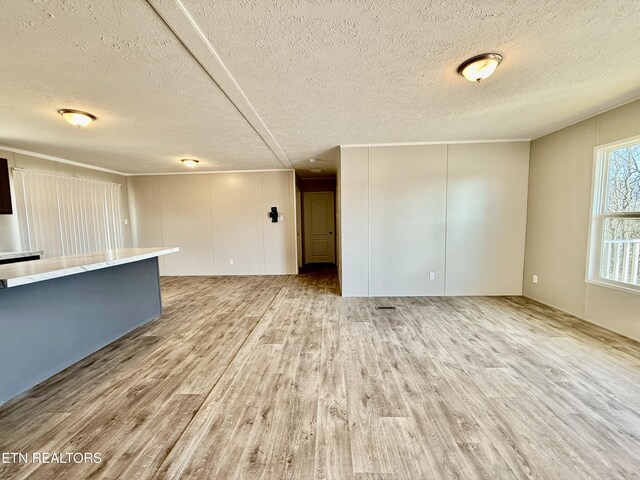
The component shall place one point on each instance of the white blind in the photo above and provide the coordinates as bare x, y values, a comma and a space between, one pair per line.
66, 215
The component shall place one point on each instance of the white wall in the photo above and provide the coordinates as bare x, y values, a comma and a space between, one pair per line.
353, 214
486, 218
9, 230
217, 217
407, 212
184, 209
558, 221
453, 210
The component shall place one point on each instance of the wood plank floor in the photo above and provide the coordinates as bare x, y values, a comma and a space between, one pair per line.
278, 377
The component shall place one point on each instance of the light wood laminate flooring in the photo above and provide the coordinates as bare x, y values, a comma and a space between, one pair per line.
279, 377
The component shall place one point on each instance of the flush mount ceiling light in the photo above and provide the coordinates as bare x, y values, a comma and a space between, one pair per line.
480, 67
76, 117
190, 162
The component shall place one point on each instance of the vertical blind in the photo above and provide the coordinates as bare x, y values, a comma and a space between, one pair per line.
65, 215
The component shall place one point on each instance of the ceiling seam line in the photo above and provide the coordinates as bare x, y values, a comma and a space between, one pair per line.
273, 146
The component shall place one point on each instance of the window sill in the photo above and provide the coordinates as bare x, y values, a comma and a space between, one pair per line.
621, 287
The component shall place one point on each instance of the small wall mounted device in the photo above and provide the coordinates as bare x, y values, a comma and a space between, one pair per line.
273, 214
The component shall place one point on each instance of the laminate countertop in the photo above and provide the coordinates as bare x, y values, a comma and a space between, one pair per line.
23, 273
12, 255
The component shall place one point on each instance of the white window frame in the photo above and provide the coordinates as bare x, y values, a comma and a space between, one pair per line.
598, 216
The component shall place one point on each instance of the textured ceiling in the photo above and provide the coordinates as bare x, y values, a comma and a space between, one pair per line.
324, 73
300, 77
119, 61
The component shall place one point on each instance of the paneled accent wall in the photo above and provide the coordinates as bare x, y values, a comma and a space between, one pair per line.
408, 196
353, 216
486, 218
218, 220
433, 219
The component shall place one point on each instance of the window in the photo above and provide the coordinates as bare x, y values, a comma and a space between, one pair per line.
65, 215
615, 224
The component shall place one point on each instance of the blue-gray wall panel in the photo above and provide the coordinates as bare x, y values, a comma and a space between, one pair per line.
48, 326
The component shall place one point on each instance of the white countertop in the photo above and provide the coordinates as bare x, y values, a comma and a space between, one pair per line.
11, 255
15, 274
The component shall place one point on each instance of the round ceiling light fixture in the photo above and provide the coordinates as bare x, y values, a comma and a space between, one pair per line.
190, 162
480, 67
76, 117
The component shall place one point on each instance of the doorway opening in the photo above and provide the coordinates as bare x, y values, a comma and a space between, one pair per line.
317, 225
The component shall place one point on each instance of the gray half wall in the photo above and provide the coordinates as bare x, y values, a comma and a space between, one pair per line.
47, 326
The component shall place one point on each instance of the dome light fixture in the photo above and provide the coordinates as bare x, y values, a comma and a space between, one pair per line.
77, 118
190, 162
480, 67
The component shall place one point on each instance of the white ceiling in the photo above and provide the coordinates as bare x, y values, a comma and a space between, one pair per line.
258, 84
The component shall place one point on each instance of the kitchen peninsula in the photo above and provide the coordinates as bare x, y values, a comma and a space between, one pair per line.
56, 311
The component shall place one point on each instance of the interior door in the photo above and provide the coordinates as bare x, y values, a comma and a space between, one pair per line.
319, 225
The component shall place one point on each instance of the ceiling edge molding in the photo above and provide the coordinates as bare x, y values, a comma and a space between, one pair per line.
207, 172
178, 19
595, 113
444, 142
61, 160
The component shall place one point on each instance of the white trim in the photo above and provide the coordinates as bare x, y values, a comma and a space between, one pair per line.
116, 172
66, 177
596, 194
60, 160
369, 255
596, 113
595, 237
619, 143
621, 287
212, 172
439, 142
446, 225
180, 21
294, 214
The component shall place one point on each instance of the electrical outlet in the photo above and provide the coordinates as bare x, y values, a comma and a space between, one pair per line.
535, 279
126, 221
432, 275
231, 261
